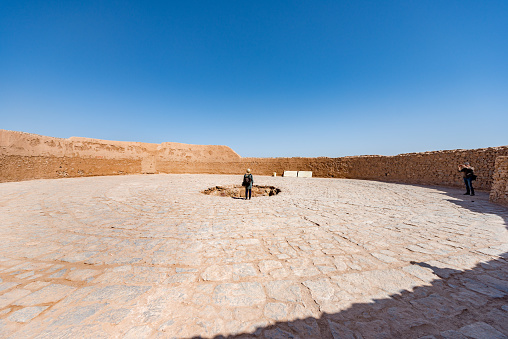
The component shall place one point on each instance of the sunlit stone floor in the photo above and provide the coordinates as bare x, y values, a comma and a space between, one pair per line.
151, 256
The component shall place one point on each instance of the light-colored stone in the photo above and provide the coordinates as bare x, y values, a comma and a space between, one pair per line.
269, 265
290, 174
243, 270
218, 273
26, 314
116, 293
240, 294
321, 290
173, 262
81, 275
421, 273
7, 285
50, 293
139, 332
284, 290
36, 285
114, 316
276, 311
12, 296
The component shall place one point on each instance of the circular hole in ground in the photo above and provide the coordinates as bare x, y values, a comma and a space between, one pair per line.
237, 191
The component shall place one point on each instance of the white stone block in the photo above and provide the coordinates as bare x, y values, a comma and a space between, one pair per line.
292, 174
304, 174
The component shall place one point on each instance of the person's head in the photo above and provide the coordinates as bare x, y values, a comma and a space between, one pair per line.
248, 170
466, 164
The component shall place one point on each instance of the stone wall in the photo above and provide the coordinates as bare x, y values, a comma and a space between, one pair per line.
19, 168
428, 168
26, 156
499, 191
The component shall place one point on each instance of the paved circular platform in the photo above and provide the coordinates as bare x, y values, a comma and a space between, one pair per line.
151, 256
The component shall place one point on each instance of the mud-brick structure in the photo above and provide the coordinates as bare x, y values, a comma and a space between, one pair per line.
25, 156
499, 190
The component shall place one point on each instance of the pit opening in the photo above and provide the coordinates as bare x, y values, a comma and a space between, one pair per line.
238, 191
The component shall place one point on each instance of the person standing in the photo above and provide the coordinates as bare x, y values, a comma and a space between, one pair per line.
247, 183
468, 174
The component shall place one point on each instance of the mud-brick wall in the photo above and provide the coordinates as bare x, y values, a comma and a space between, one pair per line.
18, 168
499, 191
321, 167
25, 156
428, 168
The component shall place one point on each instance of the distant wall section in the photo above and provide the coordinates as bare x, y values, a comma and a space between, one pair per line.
19, 168
499, 191
25, 156
428, 168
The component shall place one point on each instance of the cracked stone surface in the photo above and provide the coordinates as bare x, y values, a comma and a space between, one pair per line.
152, 257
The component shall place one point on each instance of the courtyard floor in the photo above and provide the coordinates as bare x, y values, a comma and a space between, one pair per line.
150, 256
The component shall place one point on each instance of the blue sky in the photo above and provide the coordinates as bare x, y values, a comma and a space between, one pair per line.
267, 78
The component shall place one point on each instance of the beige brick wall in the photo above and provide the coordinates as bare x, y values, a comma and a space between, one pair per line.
26, 156
499, 191
428, 168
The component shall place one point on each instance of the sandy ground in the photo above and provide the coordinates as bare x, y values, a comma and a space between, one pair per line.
152, 257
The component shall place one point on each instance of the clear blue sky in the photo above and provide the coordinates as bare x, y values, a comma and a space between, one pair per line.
267, 78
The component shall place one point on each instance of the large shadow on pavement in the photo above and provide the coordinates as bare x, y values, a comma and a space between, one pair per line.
459, 304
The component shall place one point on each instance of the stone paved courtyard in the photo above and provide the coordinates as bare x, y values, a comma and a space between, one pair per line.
152, 257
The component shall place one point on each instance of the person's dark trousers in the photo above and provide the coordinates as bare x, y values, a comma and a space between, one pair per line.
469, 186
248, 193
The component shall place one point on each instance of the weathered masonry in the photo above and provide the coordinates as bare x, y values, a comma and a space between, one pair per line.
25, 156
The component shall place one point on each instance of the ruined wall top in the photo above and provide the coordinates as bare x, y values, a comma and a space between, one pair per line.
27, 144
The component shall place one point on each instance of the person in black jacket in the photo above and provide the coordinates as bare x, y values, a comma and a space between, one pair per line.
247, 183
468, 174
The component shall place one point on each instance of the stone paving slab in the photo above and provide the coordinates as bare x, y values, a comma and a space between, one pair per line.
152, 257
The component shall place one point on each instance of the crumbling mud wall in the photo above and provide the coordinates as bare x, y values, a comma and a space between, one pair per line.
321, 167
172, 157
25, 156
427, 168
499, 191
19, 168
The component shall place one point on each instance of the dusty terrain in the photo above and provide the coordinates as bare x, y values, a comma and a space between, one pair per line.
152, 257
238, 191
